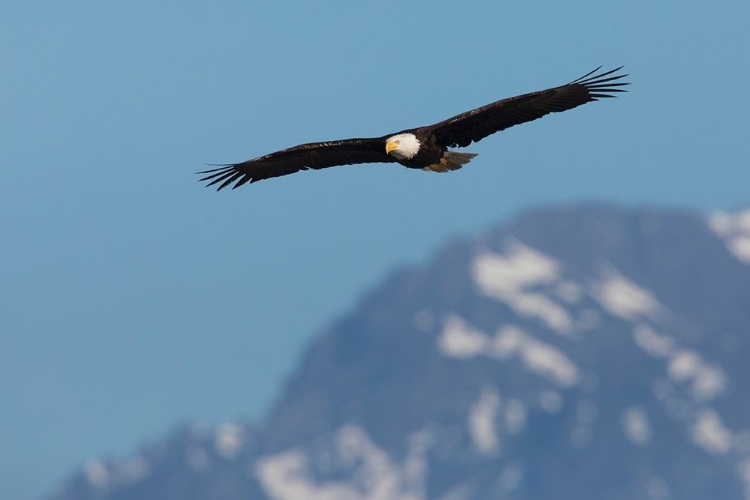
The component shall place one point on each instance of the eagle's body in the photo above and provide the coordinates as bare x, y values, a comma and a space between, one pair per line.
427, 147
419, 148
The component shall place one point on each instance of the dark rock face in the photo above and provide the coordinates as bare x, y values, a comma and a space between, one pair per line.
580, 352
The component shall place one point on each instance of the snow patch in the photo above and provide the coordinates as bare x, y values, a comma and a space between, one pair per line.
287, 475
709, 433
734, 230
520, 267
636, 425
539, 357
658, 346
708, 381
96, 474
229, 440
742, 220
483, 422
354, 446
721, 223
100, 475
460, 340
623, 298
740, 248
684, 365
509, 277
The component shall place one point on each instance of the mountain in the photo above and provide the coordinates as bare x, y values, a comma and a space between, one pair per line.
578, 352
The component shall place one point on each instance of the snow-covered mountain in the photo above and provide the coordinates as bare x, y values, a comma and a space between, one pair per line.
579, 352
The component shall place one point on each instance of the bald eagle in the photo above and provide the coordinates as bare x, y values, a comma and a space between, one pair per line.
426, 148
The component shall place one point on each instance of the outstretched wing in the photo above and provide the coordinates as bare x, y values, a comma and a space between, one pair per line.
303, 157
475, 125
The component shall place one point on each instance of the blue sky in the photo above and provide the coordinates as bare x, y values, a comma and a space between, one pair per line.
132, 299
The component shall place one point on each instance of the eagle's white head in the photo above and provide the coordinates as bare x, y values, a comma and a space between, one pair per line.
402, 146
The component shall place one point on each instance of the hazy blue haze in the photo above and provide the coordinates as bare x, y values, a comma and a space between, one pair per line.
132, 299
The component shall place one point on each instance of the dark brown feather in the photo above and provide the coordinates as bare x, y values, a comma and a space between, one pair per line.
459, 131
315, 155
475, 125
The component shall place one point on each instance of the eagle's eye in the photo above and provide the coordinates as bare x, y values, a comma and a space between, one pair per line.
398, 141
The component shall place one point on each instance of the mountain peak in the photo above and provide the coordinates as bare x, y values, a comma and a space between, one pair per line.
578, 351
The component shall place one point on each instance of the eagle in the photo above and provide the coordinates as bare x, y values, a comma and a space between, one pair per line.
429, 147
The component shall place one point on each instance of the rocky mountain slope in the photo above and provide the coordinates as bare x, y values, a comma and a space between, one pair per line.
579, 352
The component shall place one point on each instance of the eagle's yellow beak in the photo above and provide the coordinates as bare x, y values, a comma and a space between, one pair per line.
390, 146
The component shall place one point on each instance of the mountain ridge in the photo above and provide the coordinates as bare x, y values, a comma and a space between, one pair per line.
578, 350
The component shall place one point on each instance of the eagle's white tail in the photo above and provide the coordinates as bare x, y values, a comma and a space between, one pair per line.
451, 160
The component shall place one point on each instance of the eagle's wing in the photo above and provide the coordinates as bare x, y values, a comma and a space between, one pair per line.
474, 125
315, 155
